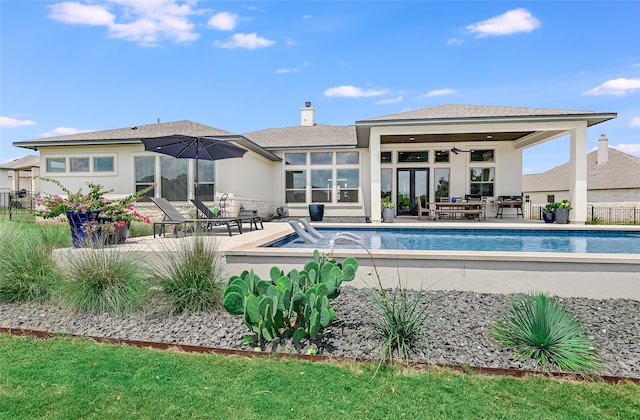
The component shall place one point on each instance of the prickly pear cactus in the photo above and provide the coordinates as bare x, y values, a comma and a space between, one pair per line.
294, 305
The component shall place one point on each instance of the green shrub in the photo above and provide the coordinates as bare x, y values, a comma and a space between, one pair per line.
294, 305
104, 280
27, 269
538, 327
192, 276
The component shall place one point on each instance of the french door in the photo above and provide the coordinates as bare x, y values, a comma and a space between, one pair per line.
412, 184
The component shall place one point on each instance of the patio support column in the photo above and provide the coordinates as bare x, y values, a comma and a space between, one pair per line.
374, 156
578, 174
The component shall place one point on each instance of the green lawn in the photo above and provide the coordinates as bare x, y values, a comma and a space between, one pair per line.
74, 378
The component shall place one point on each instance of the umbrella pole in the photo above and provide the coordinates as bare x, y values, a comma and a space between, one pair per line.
195, 178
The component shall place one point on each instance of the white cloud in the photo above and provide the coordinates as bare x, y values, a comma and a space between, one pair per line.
6, 122
293, 69
307, 17
631, 149
63, 131
439, 92
454, 41
511, 22
353, 92
145, 22
223, 21
389, 101
81, 14
248, 41
615, 87
635, 122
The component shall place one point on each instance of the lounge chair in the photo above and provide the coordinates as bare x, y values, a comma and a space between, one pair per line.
312, 236
213, 219
173, 217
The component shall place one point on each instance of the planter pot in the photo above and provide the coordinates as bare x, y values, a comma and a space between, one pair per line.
548, 217
120, 235
77, 223
388, 215
562, 216
316, 212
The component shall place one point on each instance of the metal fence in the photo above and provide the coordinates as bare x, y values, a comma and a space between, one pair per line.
17, 204
595, 214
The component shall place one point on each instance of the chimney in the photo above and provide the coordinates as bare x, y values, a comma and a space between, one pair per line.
306, 115
603, 150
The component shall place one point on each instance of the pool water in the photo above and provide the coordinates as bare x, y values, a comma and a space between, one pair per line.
511, 240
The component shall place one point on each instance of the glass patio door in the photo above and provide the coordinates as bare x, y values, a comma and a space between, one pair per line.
412, 183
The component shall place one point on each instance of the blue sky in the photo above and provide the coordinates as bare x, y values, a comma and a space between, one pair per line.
70, 66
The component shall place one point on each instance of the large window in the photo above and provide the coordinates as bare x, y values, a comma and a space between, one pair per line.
482, 180
322, 177
321, 185
206, 175
422, 157
173, 174
296, 186
56, 164
103, 164
482, 156
80, 164
441, 181
145, 168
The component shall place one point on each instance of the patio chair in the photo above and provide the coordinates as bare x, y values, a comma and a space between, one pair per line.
421, 210
312, 236
213, 220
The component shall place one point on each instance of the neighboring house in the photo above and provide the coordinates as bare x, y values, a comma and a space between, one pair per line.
21, 174
613, 179
447, 150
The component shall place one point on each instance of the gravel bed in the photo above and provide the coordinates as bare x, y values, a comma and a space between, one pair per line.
457, 334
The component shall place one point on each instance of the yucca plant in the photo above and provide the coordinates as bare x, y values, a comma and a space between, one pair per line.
104, 280
192, 276
539, 327
27, 269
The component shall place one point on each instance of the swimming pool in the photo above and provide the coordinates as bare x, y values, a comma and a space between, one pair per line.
507, 240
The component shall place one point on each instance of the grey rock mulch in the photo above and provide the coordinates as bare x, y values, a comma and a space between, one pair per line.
458, 331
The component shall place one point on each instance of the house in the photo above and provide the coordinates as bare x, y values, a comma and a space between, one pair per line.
613, 179
21, 174
415, 155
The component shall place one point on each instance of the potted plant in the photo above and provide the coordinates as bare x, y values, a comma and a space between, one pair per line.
92, 217
548, 213
562, 211
388, 210
316, 212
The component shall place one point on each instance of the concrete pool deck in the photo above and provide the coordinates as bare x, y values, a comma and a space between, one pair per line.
598, 276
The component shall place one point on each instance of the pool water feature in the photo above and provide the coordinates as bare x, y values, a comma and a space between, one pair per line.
506, 240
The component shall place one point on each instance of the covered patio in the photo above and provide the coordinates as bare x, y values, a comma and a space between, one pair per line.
468, 149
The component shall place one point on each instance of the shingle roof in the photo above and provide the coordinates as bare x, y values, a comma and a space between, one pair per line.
25, 162
455, 111
119, 135
318, 135
620, 171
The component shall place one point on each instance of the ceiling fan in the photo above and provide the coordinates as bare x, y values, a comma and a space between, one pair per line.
455, 150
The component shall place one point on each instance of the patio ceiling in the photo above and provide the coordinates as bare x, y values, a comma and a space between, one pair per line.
450, 138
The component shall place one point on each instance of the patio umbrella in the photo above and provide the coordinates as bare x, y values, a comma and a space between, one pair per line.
193, 147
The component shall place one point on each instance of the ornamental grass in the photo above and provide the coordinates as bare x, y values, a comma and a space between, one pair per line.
192, 276
104, 280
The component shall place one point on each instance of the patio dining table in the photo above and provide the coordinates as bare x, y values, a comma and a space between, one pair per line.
464, 208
